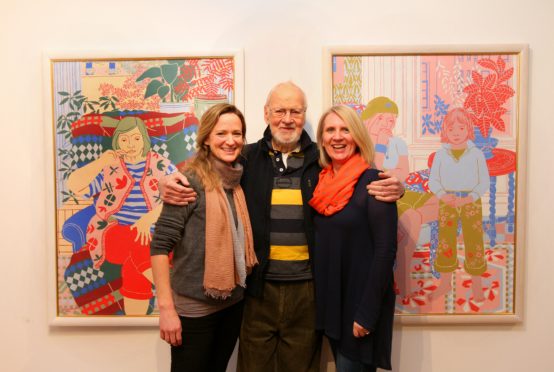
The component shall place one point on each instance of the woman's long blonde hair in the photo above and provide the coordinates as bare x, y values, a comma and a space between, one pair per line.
356, 128
201, 164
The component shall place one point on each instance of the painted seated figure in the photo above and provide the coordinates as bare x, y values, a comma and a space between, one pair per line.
415, 208
125, 182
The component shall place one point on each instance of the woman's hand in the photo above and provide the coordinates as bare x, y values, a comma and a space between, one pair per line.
359, 331
170, 327
170, 324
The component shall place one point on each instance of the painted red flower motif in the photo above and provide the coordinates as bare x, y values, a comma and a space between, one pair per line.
470, 305
487, 94
91, 244
413, 179
492, 291
153, 184
420, 296
493, 255
121, 182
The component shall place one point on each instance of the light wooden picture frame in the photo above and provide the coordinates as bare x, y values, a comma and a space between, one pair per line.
99, 234
461, 227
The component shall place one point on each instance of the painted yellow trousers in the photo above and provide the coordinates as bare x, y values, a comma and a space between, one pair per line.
471, 217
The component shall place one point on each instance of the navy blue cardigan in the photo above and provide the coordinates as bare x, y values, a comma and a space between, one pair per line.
353, 263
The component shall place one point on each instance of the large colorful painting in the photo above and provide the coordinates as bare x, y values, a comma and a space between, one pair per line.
119, 126
450, 123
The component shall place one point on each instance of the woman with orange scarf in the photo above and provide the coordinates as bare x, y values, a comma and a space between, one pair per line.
355, 247
211, 241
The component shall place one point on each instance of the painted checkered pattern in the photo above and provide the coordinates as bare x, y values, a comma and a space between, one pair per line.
161, 148
82, 278
98, 305
91, 119
86, 152
190, 138
154, 122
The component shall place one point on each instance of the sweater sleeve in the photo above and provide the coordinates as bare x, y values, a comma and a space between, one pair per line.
170, 226
382, 218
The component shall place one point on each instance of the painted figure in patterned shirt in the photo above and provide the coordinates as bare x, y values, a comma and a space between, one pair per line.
459, 178
126, 182
414, 208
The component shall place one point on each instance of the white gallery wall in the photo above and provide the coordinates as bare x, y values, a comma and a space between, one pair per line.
281, 40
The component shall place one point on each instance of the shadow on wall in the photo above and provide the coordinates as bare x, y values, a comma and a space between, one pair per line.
311, 129
416, 346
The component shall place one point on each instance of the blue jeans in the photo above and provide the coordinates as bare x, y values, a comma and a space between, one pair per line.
343, 364
346, 365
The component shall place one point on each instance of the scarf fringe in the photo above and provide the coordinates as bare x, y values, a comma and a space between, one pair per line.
218, 294
221, 294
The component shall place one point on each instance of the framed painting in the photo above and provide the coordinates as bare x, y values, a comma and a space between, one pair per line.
119, 123
450, 122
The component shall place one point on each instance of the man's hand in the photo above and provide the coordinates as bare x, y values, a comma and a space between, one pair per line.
175, 189
387, 189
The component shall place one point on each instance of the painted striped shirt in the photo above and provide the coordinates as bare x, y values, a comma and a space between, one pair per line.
134, 207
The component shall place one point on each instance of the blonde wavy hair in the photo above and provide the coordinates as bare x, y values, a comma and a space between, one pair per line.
356, 128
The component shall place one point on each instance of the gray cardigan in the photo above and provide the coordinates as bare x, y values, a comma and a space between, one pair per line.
182, 229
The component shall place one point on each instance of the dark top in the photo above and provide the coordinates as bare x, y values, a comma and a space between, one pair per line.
353, 266
287, 219
257, 184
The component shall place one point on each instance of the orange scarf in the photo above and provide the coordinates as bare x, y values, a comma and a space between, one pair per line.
221, 272
333, 191
230, 252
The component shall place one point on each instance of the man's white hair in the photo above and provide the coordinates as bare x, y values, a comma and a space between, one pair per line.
287, 84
